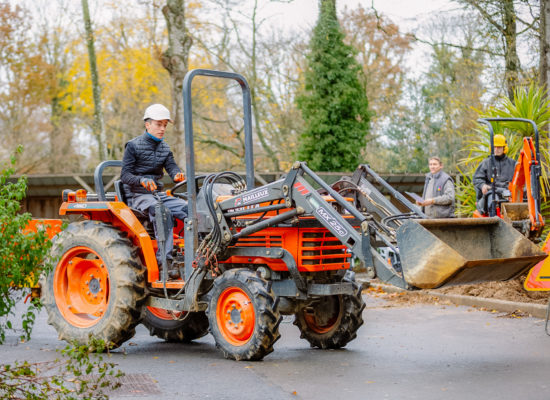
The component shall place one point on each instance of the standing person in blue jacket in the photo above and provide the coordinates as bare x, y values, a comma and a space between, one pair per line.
439, 192
145, 159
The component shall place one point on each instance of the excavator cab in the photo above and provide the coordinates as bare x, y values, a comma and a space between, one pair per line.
520, 203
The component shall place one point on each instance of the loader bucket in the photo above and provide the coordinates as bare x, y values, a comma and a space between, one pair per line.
445, 252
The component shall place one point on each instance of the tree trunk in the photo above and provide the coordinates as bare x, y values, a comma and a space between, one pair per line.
503, 18
511, 59
176, 60
544, 66
99, 127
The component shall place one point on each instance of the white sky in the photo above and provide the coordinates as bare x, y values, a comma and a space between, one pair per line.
406, 13
301, 15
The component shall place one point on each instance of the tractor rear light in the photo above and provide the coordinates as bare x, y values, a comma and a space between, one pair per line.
69, 196
81, 195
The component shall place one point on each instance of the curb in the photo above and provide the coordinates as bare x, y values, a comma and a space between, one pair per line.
535, 310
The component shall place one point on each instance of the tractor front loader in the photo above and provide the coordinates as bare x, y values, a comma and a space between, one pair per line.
249, 255
436, 253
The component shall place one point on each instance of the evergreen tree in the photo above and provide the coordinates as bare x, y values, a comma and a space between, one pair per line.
334, 103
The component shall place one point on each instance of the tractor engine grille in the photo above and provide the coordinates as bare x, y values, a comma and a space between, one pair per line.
260, 241
314, 249
322, 248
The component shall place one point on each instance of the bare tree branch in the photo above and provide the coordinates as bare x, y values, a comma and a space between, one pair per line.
486, 15
220, 145
456, 46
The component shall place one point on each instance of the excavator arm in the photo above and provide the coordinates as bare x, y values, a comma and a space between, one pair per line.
526, 180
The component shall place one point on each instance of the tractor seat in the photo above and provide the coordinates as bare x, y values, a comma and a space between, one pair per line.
142, 217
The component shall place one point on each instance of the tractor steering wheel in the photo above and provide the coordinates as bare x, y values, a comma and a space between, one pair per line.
177, 187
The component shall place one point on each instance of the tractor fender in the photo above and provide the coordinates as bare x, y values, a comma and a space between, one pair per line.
120, 215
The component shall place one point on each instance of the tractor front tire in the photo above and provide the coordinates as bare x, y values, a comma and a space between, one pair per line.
243, 315
96, 287
174, 326
332, 321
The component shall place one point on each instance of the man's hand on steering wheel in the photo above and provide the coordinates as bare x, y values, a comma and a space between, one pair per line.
180, 177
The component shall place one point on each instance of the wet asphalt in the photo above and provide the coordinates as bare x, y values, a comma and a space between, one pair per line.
421, 351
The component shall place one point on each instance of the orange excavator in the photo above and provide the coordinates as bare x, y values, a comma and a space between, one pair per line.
519, 205
522, 205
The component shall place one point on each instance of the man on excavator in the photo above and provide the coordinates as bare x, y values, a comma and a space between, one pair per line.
145, 158
504, 173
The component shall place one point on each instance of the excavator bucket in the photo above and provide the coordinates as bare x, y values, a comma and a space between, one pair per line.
445, 252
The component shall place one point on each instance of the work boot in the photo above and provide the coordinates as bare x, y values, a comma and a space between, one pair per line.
173, 271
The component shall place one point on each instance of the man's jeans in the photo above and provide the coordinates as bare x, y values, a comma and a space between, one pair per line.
178, 208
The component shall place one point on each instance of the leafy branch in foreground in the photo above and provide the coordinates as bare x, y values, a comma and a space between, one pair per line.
74, 376
22, 251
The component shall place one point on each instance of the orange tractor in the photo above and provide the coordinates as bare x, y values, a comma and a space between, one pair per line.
249, 255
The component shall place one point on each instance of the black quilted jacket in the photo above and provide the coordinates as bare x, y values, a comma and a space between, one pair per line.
144, 157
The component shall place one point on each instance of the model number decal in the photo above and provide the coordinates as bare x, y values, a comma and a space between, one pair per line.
340, 230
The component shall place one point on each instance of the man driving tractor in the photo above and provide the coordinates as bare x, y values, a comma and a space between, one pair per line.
504, 173
145, 158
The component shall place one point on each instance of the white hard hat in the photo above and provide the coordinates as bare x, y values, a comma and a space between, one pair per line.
157, 112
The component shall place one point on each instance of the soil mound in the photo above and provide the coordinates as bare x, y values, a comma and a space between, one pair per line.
511, 290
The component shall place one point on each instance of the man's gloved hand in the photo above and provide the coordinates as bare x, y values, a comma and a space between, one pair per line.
179, 177
148, 184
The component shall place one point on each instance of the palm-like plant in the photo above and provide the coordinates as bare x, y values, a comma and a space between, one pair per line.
528, 103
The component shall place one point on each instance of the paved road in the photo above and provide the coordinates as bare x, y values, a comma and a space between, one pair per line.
418, 352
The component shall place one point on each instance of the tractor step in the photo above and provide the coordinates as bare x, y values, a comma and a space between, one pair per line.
177, 284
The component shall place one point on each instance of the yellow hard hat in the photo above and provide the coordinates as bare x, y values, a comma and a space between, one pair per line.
500, 141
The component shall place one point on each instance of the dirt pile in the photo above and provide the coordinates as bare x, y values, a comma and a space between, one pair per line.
511, 290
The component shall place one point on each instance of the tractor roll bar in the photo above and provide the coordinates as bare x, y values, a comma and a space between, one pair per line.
191, 237
98, 177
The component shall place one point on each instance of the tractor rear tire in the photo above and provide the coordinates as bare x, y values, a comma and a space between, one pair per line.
243, 314
96, 287
333, 321
184, 329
